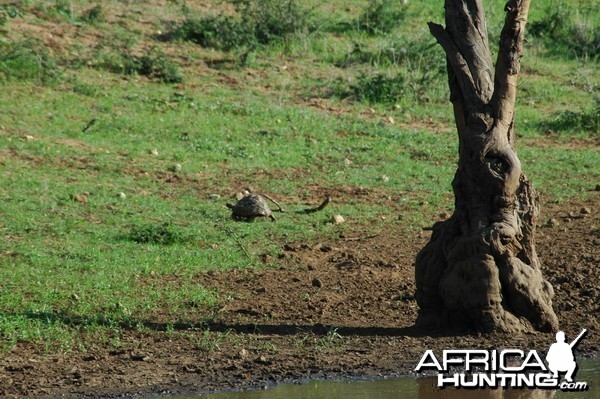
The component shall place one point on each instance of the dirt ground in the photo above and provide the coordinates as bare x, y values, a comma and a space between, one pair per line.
338, 308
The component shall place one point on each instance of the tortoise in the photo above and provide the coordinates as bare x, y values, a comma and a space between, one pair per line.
250, 207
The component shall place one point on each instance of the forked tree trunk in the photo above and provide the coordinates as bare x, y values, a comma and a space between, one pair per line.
480, 268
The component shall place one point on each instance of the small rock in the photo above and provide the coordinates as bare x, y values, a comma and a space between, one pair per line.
75, 297
338, 219
243, 354
79, 198
347, 162
385, 179
390, 120
444, 215
552, 223
177, 167
239, 196
154, 151
140, 357
214, 196
262, 360
121, 195
585, 210
317, 283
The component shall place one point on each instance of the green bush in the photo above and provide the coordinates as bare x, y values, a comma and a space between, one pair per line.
220, 32
7, 12
587, 120
93, 15
380, 17
256, 22
164, 234
563, 34
153, 64
27, 60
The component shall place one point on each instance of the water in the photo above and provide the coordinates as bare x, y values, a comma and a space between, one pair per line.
409, 388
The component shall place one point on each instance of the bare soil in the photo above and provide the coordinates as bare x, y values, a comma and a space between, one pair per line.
338, 308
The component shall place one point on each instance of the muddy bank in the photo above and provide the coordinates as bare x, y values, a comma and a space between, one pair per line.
336, 308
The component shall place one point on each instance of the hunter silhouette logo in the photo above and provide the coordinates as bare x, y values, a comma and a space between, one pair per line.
507, 368
560, 356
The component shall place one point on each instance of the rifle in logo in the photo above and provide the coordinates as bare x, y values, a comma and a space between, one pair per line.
560, 356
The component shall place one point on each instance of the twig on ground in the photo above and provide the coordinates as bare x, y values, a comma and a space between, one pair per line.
239, 243
319, 208
361, 238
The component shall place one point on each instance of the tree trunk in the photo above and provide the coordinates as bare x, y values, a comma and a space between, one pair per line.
480, 268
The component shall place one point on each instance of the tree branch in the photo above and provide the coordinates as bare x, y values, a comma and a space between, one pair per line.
457, 62
508, 63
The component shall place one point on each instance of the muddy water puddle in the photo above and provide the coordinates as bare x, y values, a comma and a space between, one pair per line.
409, 388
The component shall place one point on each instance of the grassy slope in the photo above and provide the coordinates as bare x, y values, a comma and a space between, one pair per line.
70, 274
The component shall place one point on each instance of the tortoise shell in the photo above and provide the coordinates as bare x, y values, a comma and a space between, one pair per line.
250, 207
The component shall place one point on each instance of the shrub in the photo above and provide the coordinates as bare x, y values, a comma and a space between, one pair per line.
380, 17
379, 88
562, 33
272, 20
7, 12
27, 60
153, 64
220, 32
419, 70
93, 15
587, 120
256, 22
164, 234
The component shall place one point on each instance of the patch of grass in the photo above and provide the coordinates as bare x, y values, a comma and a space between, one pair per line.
163, 234
27, 60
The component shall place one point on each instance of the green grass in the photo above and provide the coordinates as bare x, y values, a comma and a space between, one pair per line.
73, 273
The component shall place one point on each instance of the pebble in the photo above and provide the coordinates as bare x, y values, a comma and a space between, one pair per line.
347, 162
552, 223
385, 179
154, 151
177, 167
214, 196
338, 219
79, 198
585, 210
122, 195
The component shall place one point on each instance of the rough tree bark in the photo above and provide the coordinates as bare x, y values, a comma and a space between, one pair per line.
480, 268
